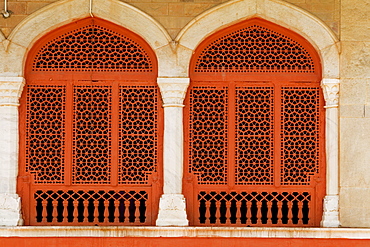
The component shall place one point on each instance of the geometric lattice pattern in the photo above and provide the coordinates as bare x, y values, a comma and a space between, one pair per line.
254, 49
300, 121
91, 124
46, 133
94, 135
138, 124
254, 132
92, 48
92, 127
208, 135
254, 112
262, 124
91, 134
257, 208
100, 134
90, 207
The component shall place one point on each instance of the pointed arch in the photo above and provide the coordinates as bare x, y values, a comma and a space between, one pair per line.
276, 11
253, 87
318, 35
63, 12
85, 81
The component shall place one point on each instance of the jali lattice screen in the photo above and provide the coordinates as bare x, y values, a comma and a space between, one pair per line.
254, 153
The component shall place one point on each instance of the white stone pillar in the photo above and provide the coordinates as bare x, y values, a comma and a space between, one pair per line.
172, 208
10, 208
331, 201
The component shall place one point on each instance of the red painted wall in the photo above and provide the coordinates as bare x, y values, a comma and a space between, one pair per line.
176, 242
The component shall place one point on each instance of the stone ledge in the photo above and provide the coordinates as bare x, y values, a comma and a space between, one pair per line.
202, 232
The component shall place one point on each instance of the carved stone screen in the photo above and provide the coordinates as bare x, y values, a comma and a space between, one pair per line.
90, 128
254, 148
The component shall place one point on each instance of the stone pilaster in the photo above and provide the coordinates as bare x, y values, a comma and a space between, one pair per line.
10, 91
331, 201
172, 208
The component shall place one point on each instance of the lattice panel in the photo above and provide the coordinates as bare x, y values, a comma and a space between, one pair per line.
45, 132
254, 208
254, 49
90, 207
138, 124
254, 130
92, 134
92, 48
300, 129
208, 134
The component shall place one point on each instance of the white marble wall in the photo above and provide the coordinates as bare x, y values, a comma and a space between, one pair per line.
354, 113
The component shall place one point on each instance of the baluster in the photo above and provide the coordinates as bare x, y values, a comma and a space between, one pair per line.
249, 212
44, 212
127, 211
106, 212
238, 212
137, 211
86, 211
208, 212
228, 212
116, 211
300, 212
280, 212
218, 212
259, 212
309, 212
198, 211
96, 211
290, 212
75, 211
65, 211
269, 212
54, 211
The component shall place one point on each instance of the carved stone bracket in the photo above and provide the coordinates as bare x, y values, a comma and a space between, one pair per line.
331, 92
10, 90
173, 91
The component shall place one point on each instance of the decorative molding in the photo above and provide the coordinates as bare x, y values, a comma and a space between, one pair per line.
10, 90
331, 92
173, 91
6, 43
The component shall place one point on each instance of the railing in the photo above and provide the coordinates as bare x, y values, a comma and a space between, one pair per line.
88, 207
254, 208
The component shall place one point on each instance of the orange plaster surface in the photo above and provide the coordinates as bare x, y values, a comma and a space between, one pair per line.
176, 242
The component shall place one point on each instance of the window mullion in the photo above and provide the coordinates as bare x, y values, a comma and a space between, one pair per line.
115, 132
278, 135
69, 113
231, 137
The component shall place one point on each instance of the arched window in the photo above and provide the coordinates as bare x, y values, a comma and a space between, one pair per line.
254, 152
91, 126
